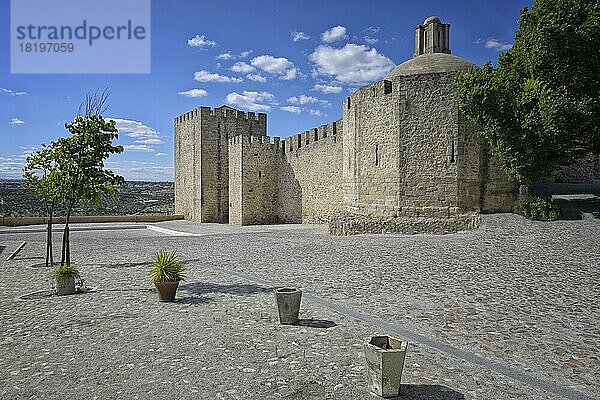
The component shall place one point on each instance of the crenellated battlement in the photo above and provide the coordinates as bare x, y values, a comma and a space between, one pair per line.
304, 139
377, 89
222, 112
275, 143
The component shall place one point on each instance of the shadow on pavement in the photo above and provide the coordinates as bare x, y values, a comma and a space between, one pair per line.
239, 289
193, 300
316, 323
126, 265
428, 392
2, 249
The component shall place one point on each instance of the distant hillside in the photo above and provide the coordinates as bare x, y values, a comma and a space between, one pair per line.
134, 198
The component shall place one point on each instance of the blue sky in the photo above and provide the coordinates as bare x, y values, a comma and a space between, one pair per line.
295, 60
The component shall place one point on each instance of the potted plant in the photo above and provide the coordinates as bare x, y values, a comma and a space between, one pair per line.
64, 277
385, 360
168, 270
288, 305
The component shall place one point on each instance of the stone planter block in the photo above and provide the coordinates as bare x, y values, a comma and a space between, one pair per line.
385, 360
65, 285
288, 305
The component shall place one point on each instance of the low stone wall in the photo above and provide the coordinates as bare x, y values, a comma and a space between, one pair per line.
24, 221
354, 225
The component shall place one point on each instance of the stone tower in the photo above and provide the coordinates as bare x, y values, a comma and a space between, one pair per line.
202, 159
432, 37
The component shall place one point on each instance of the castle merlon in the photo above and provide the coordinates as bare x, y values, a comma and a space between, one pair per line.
306, 138
222, 112
274, 142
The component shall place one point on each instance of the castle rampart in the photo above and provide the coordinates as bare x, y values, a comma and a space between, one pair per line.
401, 150
202, 160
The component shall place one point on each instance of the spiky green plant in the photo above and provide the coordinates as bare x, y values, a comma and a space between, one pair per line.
167, 267
66, 270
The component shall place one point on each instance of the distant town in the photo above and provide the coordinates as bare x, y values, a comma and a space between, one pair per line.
134, 198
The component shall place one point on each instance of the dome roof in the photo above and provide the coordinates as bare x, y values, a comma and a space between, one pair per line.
431, 19
430, 63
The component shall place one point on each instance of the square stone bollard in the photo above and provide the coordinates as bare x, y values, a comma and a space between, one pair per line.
288, 305
385, 360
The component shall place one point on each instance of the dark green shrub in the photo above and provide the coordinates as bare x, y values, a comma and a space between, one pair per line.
541, 209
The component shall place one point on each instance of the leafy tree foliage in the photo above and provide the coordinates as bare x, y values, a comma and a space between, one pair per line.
80, 159
41, 175
540, 106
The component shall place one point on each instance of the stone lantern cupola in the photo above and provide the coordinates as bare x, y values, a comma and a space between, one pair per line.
432, 37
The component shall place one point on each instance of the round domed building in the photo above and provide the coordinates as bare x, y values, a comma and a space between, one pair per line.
409, 151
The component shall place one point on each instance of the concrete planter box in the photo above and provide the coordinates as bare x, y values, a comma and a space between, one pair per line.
65, 285
288, 305
385, 361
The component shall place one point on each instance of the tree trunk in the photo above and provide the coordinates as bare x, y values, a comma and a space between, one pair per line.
50, 222
48, 242
66, 256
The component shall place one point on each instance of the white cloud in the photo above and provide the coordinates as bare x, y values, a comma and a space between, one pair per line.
370, 40
292, 109
160, 154
142, 134
242, 67
299, 35
12, 92
246, 53
281, 67
302, 100
194, 93
224, 56
201, 41
372, 30
334, 34
327, 89
16, 121
205, 76
256, 78
316, 113
253, 101
138, 148
351, 64
495, 44
149, 141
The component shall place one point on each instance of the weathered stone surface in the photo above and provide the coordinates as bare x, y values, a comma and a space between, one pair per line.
401, 144
441, 225
521, 294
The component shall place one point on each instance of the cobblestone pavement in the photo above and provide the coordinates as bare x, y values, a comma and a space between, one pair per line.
509, 311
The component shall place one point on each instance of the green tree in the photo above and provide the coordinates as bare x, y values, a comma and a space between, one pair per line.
540, 106
41, 174
80, 159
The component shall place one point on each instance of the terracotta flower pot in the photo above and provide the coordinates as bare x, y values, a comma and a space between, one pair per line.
166, 290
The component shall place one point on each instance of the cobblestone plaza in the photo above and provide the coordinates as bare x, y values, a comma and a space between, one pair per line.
507, 311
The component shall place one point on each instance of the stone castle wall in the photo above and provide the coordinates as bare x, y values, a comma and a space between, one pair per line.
312, 173
201, 159
482, 183
188, 148
293, 181
398, 137
254, 165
